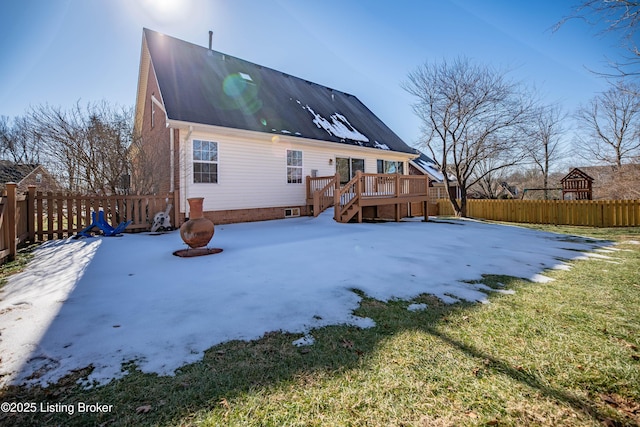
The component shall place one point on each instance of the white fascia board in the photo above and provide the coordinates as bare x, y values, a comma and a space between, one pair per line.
283, 138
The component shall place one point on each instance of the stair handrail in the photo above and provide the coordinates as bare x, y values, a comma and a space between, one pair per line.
340, 207
322, 195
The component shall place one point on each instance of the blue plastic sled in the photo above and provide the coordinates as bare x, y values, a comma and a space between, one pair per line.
100, 223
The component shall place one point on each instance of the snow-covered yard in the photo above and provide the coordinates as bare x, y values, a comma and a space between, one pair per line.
105, 301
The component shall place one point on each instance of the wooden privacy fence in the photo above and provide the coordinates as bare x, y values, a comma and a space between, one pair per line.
13, 222
37, 216
594, 213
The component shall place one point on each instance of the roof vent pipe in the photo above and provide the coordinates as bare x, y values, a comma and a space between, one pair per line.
210, 39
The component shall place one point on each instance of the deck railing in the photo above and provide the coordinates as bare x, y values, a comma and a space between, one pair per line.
369, 189
323, 197
317, 183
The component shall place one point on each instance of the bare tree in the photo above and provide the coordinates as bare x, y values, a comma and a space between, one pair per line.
490, 185
471, 114
614, 16
528, 182
625, 183
149, 165
611, 123
86, 146
61, 133
18, 142
545, 149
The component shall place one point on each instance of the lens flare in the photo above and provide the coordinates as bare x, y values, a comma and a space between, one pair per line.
165, 11
234, 85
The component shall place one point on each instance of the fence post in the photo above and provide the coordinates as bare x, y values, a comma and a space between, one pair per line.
12, 223
31, 216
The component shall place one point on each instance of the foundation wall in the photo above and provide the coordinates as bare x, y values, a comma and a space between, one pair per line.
248, 215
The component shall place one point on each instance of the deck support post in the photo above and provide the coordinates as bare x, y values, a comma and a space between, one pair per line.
397, 195
359, 194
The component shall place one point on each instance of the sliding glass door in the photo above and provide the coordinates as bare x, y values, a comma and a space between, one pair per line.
347, 168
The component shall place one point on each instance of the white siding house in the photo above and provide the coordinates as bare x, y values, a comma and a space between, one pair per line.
246, 137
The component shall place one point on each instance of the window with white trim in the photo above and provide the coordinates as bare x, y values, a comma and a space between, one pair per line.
387, 166
205, 161
294, 167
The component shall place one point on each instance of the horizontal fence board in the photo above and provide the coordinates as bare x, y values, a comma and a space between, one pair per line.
593, 213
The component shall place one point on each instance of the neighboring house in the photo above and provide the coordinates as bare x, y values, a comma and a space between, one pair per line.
25, 175
507, 191
246, 137
425, 165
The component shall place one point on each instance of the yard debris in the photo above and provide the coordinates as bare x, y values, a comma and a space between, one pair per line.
626, 405
346, 343
144, 409
306, 340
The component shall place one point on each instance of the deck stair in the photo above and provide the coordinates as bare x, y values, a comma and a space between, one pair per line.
365, 190
322, 198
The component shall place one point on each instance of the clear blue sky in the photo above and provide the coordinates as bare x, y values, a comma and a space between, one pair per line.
62, 51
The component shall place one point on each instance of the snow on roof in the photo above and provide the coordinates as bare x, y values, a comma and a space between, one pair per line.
245, 76
380, 145
430, 168
338, 126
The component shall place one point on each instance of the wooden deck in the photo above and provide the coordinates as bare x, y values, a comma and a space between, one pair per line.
366, 190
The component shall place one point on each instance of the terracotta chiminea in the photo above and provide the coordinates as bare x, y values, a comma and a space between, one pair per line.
198, 231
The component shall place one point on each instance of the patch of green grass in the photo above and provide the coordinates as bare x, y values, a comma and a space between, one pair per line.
560, 353
17, 265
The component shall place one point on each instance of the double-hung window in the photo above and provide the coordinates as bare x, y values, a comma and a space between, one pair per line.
205, 161
294, 167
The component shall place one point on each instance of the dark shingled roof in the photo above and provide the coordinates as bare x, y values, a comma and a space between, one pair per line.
12, 172
428, 165
199, 85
